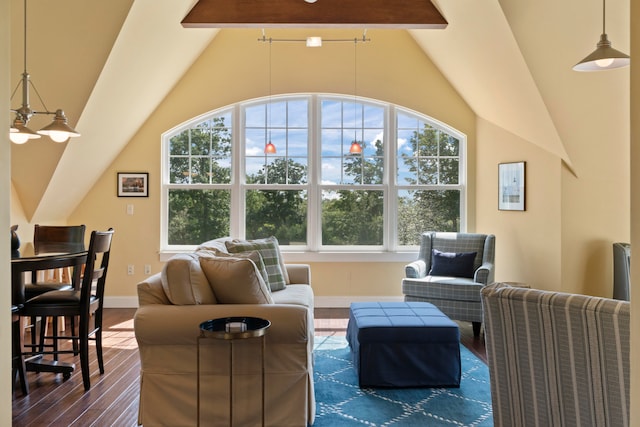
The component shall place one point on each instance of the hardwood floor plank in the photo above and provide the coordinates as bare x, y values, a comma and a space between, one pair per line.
113, 397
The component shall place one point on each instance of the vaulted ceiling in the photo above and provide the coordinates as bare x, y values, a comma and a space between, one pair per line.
109, 64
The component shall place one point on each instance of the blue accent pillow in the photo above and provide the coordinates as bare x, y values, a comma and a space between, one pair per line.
458, 264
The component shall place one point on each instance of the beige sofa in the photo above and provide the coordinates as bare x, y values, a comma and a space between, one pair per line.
556, 359
172, 306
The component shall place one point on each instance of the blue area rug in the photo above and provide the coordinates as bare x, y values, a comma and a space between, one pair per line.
341, 402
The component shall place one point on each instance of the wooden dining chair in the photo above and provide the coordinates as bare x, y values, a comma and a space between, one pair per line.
49, 239
84, 304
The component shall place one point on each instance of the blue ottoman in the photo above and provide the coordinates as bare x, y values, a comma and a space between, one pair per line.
403, 344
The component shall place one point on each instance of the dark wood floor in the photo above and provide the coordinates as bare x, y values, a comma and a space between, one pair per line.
113, 397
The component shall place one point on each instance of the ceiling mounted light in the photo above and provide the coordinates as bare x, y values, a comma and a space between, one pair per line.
19, 133
604, 57
314, 41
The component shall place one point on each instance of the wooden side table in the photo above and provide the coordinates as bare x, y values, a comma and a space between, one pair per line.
231, 329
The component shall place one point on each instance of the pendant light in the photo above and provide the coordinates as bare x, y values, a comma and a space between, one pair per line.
604, 57
269, 148
355, 148
19, 133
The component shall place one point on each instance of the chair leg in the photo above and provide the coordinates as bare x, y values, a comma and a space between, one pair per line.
476, 329
18, 361
54, 327
98, 336
84, 353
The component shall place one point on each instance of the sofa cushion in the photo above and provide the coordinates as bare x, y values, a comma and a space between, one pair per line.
270, 252
184, 282
253, 256
235, 280
456, 264
296, 295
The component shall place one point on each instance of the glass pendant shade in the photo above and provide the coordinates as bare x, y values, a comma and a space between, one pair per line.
355, 148
269, 148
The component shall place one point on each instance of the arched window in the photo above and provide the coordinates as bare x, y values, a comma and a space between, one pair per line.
322, 173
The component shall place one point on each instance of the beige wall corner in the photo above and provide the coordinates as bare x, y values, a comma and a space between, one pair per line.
5, 197
635, 212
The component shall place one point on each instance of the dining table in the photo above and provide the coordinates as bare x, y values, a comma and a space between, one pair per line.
24, 266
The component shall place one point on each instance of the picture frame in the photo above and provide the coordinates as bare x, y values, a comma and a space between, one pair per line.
133, 184
511, 186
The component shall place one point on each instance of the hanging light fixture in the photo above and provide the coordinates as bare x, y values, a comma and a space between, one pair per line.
19, 133
604, 57
355, 148
269, 148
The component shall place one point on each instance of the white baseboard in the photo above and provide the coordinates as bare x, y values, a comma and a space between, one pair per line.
120, 302
320, 301
345, 301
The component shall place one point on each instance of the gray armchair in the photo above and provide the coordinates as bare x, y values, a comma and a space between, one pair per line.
621, 270
450, 272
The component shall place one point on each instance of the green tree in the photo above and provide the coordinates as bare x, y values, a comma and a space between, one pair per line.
280, 213
356, 217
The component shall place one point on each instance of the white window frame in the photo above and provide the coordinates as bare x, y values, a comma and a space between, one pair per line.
314, 251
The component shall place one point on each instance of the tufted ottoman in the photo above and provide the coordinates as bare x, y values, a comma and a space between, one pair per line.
403, 344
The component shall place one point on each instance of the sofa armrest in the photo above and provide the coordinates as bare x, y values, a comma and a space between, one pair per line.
150, 291
299, 274
163, 325
416, 269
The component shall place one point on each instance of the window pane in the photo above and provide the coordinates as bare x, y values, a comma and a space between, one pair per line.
196, 216
277, 213
276, 170
196, 153
351, 217
449, 171
422, 210
179, 170
179, 144
345, 122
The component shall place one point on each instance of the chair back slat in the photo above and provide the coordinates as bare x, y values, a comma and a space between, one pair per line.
93, 281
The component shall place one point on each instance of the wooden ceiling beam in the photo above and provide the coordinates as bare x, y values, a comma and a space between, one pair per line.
402, 14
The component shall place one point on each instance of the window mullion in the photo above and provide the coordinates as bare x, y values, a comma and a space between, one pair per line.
237, 223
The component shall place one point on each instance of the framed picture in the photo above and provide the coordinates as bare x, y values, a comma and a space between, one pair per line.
511, 186
133, 184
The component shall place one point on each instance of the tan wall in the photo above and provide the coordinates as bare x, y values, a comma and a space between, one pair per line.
234, 68
528, 247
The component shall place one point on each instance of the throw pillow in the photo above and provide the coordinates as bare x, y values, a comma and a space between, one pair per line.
253, 256
235, 280
270, 252
457, 264
184, 281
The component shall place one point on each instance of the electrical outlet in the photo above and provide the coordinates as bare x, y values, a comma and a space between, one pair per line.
147, 269
130, 270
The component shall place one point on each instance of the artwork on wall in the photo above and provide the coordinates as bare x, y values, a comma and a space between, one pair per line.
511, 186
133, 184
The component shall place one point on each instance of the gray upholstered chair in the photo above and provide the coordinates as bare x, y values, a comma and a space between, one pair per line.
449, 275
621, 270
